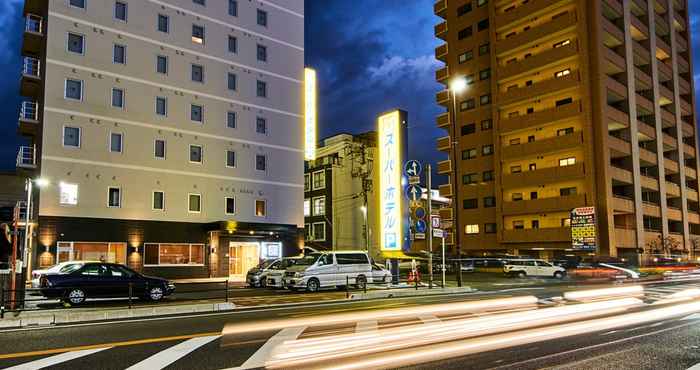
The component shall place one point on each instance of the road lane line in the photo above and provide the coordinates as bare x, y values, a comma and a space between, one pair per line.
55, 360
694, 367
168, 356
103, 345
366, 325
428, 319
263, 354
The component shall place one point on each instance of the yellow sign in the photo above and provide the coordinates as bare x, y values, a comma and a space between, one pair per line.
390, 193
309, 114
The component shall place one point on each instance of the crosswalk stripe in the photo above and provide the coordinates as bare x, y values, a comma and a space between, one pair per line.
262, 355
172, 354
57, 359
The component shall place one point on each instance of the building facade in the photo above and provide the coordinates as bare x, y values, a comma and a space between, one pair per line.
169, 131
569, 103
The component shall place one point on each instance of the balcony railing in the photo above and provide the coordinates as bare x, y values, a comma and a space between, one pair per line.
34, 23
26, 157
30, 67
29, 111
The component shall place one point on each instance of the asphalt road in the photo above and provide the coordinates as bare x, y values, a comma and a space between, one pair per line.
195, 342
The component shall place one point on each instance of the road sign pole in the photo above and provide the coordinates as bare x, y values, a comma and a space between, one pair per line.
443, 260
428, 181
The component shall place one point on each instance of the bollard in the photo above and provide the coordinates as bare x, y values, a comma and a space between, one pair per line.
227, 290
347, 287
131, 293
416, 281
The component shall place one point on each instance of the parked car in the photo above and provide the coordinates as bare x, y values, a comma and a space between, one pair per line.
103, 280
380, 274
257, 276
59, 268
329, 269
532, 267
274, 276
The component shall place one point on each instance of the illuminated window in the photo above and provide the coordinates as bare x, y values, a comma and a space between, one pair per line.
466, 56
486, 124
562, 43
515, 169
319, 206
567, 161
485, 99
563, 73
471, 229
469, 153
516, 197
307, 181
565, 222
485, 74
468, 104
260, 208
307, 207
197, 34
565, 131
173, 254
519, 224
68, 194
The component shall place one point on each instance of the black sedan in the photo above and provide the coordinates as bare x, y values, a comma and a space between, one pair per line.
103, 280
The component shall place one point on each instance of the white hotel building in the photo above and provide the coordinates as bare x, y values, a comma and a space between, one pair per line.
170, 132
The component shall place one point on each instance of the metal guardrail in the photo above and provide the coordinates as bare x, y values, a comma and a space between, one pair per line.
30, 66
26, 157
29, 111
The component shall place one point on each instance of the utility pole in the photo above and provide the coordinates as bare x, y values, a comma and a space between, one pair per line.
456, 231
429, 182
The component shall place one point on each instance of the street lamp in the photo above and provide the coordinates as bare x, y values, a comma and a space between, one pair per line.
457, 86
40, 182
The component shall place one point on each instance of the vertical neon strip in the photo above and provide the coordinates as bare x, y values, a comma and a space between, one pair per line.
390, 192
309, 114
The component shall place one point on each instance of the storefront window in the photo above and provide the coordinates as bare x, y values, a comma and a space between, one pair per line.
86, 251
173, 254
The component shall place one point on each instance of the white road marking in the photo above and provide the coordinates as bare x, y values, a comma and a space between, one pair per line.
55, 360
259, 358
166, 357
694, 367
367, 325
692, 317
428, 319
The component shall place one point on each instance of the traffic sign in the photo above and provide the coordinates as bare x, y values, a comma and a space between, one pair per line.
413, 180
438, 233
413, 168
421, 226
414, 192
435, 221
420, 213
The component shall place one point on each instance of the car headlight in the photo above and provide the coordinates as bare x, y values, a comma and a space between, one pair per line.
171, 285
299, 274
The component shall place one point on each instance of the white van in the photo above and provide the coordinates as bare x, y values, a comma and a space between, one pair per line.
329, 269
533, 267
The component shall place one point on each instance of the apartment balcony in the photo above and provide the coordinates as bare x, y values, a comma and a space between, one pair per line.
678, 5
679, 21
543, 176
683, 86
646, 130
625, 238
548, 145
683, 66
446, 213
443, 97
444, 144
619, 148
558, 26
441, 30
648, 156
621, 175
618, 118
537, 206
26, 157
668, 119
541, 235
671, 166
616, 6
440, 8
691, 194
551, 115
665, 72
529, 10
665, 95
641, 54
613, 35
34, 6
30, 80
682, 43
663, 51
443, 120
674, 214
638, 29
445, 190
650, 209
33, 37
616, 62
693, 217
673, 189
616, 88
688, 150
444, 167
441, 53
649, 183
538, 61
642, 80
661, 25
669, 141
691, 173
442, 74
646, 106
28, 122
650, 235
686, 109
540, 89
622, 205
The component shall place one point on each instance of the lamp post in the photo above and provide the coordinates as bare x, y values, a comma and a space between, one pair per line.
456, 87
40, 182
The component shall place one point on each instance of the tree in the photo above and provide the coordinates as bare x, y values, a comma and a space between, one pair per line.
664, 245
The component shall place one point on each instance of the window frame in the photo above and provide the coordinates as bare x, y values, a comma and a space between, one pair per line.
265, 17
258, 85
471, 229
167, 64
313, 205
155, 149
109, 198
126, 11
228, 81
234, 158
70, 5
165, 106
115, 46
258, 49
201, 153
82, 89
63, 137
235, 44
60, 193
256, 162
153, 200
121, 142
123, 98
313, 180
255, 208
201, 113
167, 23
202, 40
226, 212
190, 246
313, 234
82, 43
569, 161
233, 13
234, 114
199, 196
193, 66
259, 119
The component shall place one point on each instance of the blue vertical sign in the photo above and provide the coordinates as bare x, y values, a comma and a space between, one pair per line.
393, 211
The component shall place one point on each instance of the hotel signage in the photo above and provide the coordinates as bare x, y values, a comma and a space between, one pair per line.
391, 203
309, 114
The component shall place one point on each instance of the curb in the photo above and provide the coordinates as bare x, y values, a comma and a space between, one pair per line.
410, 292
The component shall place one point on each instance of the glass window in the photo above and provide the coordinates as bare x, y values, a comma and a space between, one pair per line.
77, 3
480, 3
466, 56
319, 206
158, 200
231, 119
468, 104
484, 49
487, 176
567, 161
485, 99
194, 203
161, 106
471, 229
162, 64
515, 169
159, 148
94, 270
119, 54
71, 136
173, 254
262, 53
307, 207
261, 125
563, 102
351, 258
468, 129
260, 162
233, 8
485, 74
470, 203
121, 271
120, 10
261, 91
319, 234
200, 2
230, 206
464, 33
232, 81
319, 178
195, 154
482, 25
262, 18
260, 209
489, 228
230, 158
197, 73
307, 181
114, 198
115, 142
562, 73
516, 197
518, 224
486, 124
117, 98
68, 194
489, 202
464, 9
76, 43
232, 44
163, 23
74, 89
196, 113
561, 43
197, 34
469, 153
565, 131
567, 191
487, 149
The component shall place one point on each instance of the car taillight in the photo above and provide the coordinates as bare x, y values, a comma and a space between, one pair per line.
45, 282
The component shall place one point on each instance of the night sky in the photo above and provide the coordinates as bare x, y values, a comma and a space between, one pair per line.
371, 56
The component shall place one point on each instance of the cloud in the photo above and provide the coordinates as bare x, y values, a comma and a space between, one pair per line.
397, 67
10, 13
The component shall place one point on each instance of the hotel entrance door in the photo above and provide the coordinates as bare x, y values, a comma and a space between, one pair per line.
242, 257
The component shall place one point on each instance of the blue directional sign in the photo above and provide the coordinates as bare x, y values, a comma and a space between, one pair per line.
421, 226
413, 168
419, 212
414, 192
